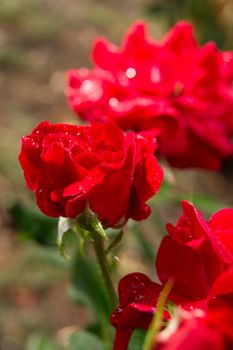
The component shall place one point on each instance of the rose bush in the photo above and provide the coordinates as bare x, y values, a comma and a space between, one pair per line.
180, 94
69, 167
181, 90
194, 254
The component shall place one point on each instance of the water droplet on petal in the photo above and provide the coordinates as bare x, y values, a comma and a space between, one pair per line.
130, 73
87, 86
92, 89
113, 102
155, 75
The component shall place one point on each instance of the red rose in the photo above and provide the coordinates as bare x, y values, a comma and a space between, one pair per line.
194, 255
196, 252
137, 301
181, 90
200, 330
69, 167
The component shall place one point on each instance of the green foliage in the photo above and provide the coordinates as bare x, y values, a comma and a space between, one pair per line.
14, 58
116, 240
65, 236
33, 225
82, 228
9, 11
204, 15
84, 341
144, 245
88, 289
170, 194
87, 281
46, 264
89, 221
40, 342
171, 307
137, 340
97, 226
32, 18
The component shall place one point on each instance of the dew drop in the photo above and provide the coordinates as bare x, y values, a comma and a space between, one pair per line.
113, 102
130, 73
87, 86
155, 75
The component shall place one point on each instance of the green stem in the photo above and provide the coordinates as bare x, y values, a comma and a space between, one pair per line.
101, 257
115, 241
157, 320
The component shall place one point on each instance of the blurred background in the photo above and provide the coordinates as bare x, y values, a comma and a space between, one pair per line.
39, 41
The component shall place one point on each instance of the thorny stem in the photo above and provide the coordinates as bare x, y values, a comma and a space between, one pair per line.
101, 257
157, 320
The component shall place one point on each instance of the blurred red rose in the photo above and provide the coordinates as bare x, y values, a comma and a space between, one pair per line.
181, 90
194, 255
200, 330
196, 251
137, 302
69, 167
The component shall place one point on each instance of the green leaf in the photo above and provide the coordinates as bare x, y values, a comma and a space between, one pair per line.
171, 307
84, 341
116, 241
97, 227
89, 289
33, 225
40, 342
137, 340
89, 221
80, 297
87, 279
64, 225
